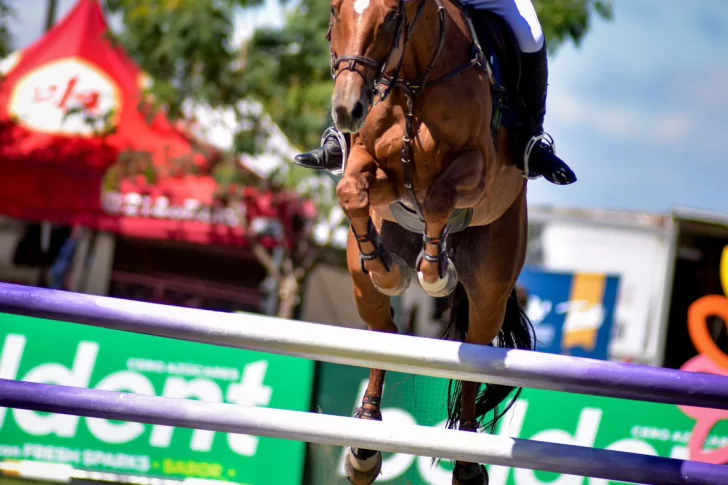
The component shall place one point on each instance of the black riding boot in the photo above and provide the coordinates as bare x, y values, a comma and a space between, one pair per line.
535, 150
329, 156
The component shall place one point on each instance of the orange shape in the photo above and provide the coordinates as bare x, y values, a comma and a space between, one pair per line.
705, 419
724, 270
698, 313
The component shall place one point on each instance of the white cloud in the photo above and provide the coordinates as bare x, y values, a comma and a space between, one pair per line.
710, 89
620, 122
652, 77
271, 14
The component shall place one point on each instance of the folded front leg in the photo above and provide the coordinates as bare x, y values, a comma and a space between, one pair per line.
361, 181
461, 185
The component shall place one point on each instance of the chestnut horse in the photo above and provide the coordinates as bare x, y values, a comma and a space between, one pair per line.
430, 185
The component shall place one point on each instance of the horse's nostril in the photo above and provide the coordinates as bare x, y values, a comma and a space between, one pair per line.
341, 113
358, 111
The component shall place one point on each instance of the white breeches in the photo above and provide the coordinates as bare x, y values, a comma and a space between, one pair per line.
520, 16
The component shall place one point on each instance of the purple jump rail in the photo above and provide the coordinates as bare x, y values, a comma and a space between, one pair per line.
415, 355
343, 431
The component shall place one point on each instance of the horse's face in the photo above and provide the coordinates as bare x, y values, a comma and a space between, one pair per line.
365, 36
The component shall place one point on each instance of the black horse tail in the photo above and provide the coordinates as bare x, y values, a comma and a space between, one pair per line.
516, 333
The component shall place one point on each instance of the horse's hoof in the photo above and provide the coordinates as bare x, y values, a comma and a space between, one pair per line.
362, 471
470, 474
404, 280
443, 286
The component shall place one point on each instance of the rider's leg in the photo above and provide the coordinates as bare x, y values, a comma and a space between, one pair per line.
536, 155
330, 155
536, 146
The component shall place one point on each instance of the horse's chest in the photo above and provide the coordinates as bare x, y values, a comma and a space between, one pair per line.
424, 164
424, 150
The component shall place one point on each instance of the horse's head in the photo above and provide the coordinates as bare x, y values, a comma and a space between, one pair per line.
366, 41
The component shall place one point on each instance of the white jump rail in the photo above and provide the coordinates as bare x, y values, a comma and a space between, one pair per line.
367, 349
342, 431
415, 355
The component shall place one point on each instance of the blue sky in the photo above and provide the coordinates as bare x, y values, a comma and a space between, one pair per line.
638, 110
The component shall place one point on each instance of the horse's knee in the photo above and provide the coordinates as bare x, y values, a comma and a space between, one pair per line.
440, 200
353, 193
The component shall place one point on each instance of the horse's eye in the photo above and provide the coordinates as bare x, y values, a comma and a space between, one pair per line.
392, 17
333, 11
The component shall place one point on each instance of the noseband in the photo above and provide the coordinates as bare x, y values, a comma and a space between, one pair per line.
381, 79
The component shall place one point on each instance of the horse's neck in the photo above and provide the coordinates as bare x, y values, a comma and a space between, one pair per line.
424, 41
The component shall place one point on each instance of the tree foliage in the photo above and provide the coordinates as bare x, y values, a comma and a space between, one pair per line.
569, 20
288, 69
186, 46
7, 14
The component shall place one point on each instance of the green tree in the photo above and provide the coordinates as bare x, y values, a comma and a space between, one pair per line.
6, 16
51, 14
569, 20
186, 46
288, 68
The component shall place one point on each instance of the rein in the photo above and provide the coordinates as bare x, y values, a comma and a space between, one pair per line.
383, 84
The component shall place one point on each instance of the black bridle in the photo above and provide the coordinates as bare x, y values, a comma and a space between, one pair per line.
404, 28
383, 84
355, 60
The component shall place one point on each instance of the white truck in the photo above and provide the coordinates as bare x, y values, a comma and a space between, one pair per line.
664, 262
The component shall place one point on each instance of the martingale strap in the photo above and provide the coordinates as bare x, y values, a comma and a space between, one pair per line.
414, 89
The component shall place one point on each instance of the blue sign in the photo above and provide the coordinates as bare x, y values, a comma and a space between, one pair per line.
572, 313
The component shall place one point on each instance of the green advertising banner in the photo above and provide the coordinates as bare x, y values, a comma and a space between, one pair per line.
614, 424
75, 355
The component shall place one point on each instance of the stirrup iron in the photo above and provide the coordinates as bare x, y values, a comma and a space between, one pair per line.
333, 132
532, 143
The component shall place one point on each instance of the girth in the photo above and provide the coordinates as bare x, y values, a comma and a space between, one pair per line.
408, 219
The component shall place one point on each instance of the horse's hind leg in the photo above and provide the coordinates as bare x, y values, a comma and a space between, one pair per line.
482, 329
469, 473
363, 466
362, 184
462, 184
486, 313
